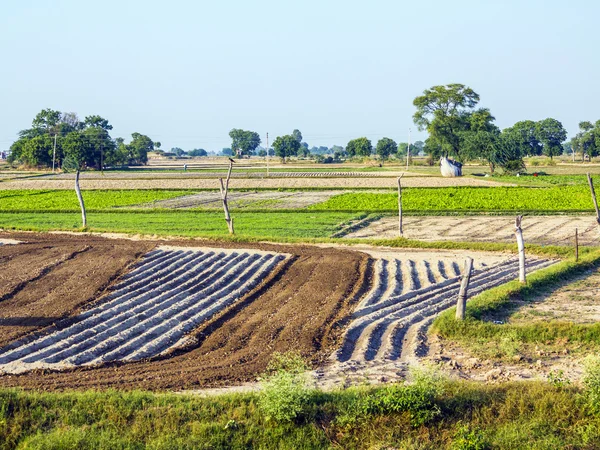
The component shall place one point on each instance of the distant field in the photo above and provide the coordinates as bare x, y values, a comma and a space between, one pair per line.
566, 198
187, 223
60, 200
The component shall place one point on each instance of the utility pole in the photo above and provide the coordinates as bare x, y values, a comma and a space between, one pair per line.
408, 150
267, 154
54, 152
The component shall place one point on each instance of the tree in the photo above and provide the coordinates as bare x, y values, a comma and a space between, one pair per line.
76, 153
418, 147
359, 147
243, 142
97, 122
587, 140
227, 152
178, 151
498, 149
524, 133
298, 136
138, 149
551, 134
286, 146
385, 148
444, 111
197, 152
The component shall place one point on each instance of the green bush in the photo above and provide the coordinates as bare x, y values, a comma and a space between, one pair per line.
285, 395
591, 381
469, 439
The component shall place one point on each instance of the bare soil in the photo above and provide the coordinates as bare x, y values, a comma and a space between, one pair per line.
249, 183
546, 230
301, 307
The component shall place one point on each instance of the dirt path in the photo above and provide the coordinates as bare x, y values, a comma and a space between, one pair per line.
237, 183
546, 230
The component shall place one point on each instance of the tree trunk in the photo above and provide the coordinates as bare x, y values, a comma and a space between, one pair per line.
80, 198
400, 230
224, 190
521, 247
461, 303
593, 192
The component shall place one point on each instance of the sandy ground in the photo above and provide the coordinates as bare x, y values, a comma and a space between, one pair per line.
258, 199
235, 183
546, 230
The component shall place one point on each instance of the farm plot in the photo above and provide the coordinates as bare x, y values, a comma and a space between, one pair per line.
149, 311
300, 306
388, 327
545, 230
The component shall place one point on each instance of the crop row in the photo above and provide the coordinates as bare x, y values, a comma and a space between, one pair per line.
150, 311
565, 198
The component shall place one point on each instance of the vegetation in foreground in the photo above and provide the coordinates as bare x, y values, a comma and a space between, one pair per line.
429, 414
484, 335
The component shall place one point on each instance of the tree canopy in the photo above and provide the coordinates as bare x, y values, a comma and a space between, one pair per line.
385, 147
286, 146
359, 147
243, 142
95, 147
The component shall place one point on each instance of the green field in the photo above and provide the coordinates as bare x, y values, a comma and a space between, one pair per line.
520, 199
271, 225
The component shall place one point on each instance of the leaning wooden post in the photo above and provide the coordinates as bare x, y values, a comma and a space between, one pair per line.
80, 198
400, 207
461, 303
594, 200
521, 247
224, 190
576, 245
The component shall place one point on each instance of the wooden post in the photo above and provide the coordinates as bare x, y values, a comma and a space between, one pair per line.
461, 303
224, 190
521, 247
400, 207
594, 200
80, 198
576, 245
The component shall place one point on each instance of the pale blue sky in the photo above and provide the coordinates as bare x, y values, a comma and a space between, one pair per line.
186, 72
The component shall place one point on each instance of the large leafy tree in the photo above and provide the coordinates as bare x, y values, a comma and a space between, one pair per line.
444, 111
551, 134
587, 140
244, 142
359, 147
286, 146
297, 135
386, 147
138, 148
524, 134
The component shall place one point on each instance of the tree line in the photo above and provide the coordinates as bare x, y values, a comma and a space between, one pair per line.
56, 137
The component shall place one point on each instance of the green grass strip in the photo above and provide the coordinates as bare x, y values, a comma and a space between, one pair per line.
501, 299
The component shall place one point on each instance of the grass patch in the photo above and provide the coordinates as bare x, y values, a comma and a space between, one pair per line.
459, 415
60, 200
269, 225
509, 199
479, 333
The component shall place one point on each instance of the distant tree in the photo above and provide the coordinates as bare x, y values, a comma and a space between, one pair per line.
197, 152
243, 142
76, 147
418, 147
497, 149
178, 151
297, 135
138, 149
303, 151
551, 134
227, 152
445, 111
359, 147
97, 121
286, 146
157, 145
402, 149
262, 153
587, 140
385, 148
524, 133
337, 149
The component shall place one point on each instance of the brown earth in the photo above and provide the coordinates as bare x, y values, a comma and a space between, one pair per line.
301, 307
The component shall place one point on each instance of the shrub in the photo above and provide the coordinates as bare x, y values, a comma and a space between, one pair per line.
467, 439
285, 395
591, 381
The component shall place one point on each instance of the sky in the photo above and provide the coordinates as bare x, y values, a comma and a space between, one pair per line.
186, 72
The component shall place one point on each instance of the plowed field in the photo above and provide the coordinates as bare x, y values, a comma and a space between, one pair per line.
50, 287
